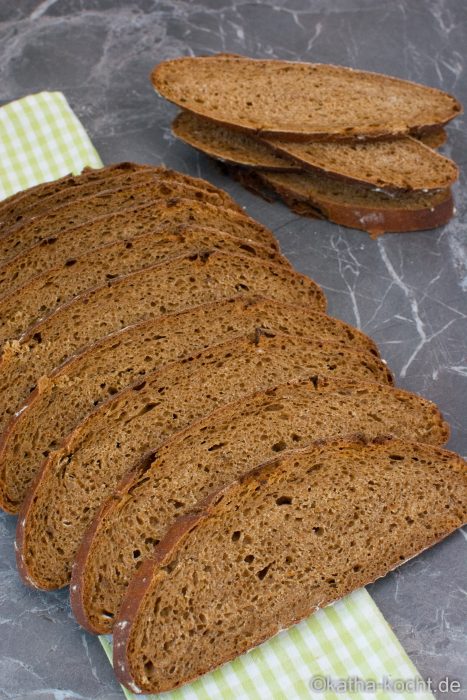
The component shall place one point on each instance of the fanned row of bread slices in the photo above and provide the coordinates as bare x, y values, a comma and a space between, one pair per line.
353, 147
189, 440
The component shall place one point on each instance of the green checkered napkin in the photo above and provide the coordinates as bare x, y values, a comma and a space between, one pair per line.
344, 644
41, 139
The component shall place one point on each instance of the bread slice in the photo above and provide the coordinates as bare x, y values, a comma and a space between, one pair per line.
230, 145
76, 478
32, 199
44, 293
304, 100
80, 211
124, 225
396, 164
164, 288
136, 176
348, 205
114, 180
74, 389
41, 295
292, 541
216, 451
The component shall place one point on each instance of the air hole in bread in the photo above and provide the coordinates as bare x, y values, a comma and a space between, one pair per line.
283, 501
262, 574
279, 446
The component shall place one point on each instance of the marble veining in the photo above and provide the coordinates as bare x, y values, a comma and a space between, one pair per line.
407, 291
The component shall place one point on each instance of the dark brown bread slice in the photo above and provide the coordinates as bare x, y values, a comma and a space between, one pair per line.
43, 295
133, 173
286, 98
80, 211
402, 164
138, 178
124, 225
292, 541
69, 393
113, 180
49, 290
216, 451
74, 389
78, 477
164, 288
348, 205
32, 198
397, 164
229, 145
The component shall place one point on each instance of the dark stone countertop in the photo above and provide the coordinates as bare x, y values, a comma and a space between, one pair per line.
407, 291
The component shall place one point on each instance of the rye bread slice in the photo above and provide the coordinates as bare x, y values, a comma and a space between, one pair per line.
216, 451
32, 198
396, 164
304, 100
78, 477
292, 541
114, 180
229, 145
321, 197
41, 295
124, 225
163, 288
80, 211
66, 396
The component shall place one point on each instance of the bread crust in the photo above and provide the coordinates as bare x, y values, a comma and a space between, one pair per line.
150, 572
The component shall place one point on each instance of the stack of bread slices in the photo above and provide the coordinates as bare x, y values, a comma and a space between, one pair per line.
353, 147
157, 349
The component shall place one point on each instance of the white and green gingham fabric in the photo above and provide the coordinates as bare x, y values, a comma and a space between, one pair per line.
41, 139
344, 651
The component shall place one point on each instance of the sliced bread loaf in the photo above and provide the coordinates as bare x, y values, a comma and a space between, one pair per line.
77, 478
307, 100
24, 306
80, 211
74, 389
397, 164
124, 225
31, 199
216, 451
164, 288
292, 541
319, 196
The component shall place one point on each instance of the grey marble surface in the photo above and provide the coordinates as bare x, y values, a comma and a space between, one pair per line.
407, 291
